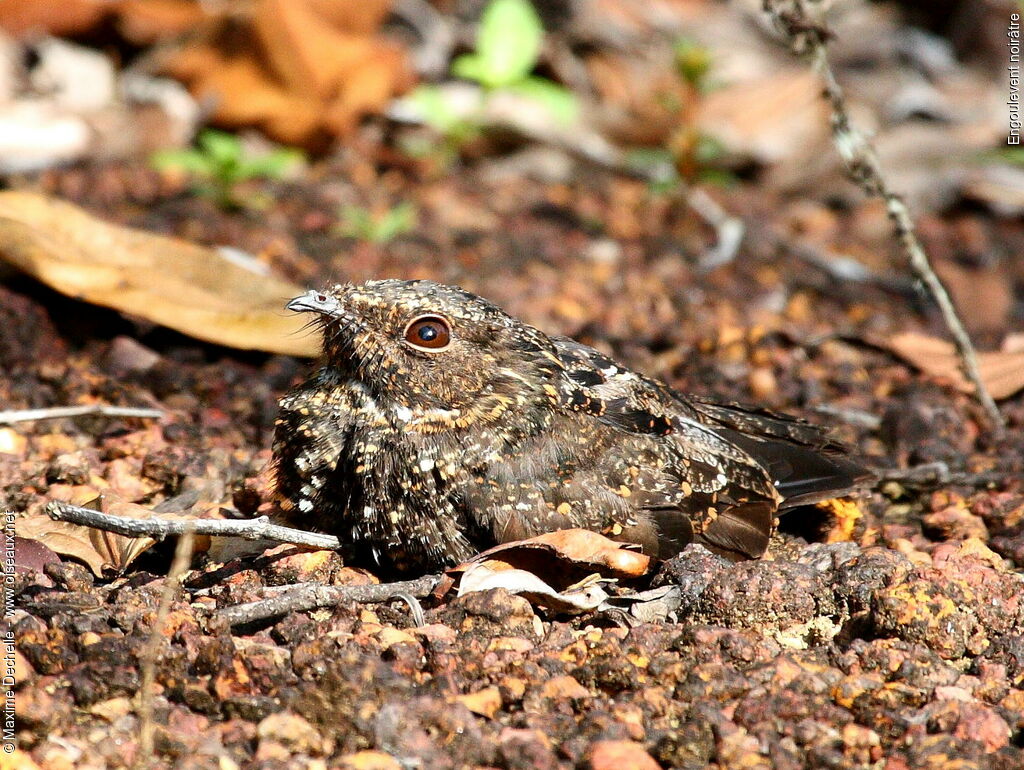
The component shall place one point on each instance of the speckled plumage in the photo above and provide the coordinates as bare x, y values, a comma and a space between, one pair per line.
418, 458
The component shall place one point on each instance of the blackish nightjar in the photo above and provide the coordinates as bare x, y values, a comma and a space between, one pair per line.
438, 425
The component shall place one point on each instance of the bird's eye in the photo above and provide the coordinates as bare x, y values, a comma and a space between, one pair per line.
320, 298
429, 332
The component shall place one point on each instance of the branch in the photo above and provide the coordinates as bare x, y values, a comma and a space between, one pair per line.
805, 34
311, 596
292, 599
247, 529
56, 412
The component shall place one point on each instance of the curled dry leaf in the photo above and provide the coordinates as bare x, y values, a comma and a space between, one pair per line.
25, 17
586, 595
302, 70
100, 551
561, 570
33, 556
103, 552
655, 605
1002, 371
570, 551
141, 21
190, 288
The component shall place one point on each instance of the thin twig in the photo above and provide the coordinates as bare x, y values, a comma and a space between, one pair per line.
415, 608
729, 230
311, 596
144, 709
806, 34
56, 412
247, 529
857, 417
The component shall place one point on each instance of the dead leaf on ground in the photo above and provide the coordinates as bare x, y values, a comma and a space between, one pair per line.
302, 70
190, 288
71, 17
576, 550
103, 552
561, 570
780, 117
1002, 371
140, 21
586, 595
984, 296
33, 556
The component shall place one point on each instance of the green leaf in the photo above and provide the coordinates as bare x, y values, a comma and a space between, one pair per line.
708, 150
718, 177
189, 161
470, 66
429, 101
1013, 155
559, 101
223, 148
357, 222
693, 61
507, 44
272, 165
398, 221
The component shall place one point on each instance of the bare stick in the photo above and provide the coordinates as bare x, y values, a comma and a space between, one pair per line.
247, 529
182, 559
311, 596
56, 412
729, 230
805, 34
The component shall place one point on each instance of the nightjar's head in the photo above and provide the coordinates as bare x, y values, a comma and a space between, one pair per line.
425, 345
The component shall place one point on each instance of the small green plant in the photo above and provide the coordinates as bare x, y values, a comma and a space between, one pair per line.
508, 44
693, 61
667, 171
689, 155
455, 129
219, 163
1011, 155
360, 223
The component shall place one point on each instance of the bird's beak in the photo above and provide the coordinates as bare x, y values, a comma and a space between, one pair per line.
310, 302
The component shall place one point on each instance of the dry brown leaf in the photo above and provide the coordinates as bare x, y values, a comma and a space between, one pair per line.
147, 21
582, 547
770, 119
32, 556
645, 98
1002, 371
140, 21
562, 570
69, 17
103, 552
563, 556
583, 596
983, 296
301, 70
172, 282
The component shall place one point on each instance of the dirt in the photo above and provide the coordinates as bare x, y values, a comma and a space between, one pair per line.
891, 638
